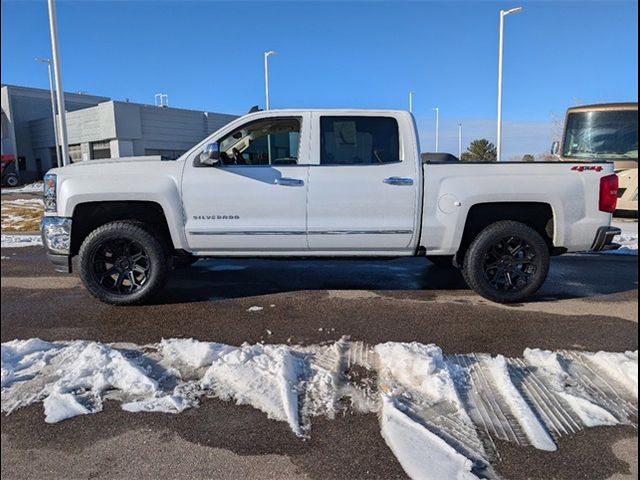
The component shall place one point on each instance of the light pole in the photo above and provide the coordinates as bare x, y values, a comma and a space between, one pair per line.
459, 140
411, 94
503, 13
266, 93
53, 107
62, 130
266, 76
437, 110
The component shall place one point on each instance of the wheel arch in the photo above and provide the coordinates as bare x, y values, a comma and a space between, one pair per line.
88, 216
537, 215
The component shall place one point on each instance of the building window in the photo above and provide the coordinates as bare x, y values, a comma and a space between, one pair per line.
75, 153
100, 150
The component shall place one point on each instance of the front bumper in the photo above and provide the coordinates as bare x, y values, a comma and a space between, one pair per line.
56, 237
604, 239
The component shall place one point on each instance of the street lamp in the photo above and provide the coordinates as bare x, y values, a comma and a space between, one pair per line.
53, 107
459, 140
411, 94
266, 76
62, 131
437, 110
503, 13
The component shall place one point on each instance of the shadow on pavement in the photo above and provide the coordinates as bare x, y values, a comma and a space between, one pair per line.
575, 276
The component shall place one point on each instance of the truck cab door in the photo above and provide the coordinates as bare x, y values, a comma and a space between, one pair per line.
364, 184
254, 200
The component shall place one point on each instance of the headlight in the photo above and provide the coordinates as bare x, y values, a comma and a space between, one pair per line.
50, 192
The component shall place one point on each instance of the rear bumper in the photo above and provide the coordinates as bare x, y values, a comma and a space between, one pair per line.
56, 237
604, 239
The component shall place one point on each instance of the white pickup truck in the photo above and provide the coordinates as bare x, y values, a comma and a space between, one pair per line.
322, 183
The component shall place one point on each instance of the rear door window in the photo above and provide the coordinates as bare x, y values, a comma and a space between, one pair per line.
358, 140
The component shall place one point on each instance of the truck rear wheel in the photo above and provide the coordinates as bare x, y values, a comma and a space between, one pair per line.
123, 263
507, 262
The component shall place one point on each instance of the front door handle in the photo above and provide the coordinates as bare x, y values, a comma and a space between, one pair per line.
289, 182
398, 181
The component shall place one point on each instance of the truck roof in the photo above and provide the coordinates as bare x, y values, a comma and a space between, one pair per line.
604, 107
341, 111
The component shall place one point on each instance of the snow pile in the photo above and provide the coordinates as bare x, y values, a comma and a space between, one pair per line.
95, 369
422, 454
14, 241
549, 365
23, 359
416, 368
535, 431
437, 412
266, 377
36, 187
72, 378
622, 368
192, 353
628, 244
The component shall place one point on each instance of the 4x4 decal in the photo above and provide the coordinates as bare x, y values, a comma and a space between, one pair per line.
583, 168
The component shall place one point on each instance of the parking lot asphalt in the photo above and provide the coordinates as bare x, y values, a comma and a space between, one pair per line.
589, 302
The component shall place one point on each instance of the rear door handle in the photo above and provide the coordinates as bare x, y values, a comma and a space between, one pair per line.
398, 181
289, 182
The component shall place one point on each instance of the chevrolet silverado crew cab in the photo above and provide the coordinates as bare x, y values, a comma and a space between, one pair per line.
322, 183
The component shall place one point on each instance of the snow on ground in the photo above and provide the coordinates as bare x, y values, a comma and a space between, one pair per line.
620, 367
549, 364
422, 453
21, 214
532, 427
36, 187
437, 412
14, 241
628, 244
628, 239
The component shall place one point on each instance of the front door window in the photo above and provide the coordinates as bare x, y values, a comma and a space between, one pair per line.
272, 141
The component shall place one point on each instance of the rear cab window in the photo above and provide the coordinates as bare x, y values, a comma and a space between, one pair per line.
359, 140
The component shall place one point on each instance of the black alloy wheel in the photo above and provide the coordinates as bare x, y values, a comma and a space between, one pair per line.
509, 265
507, 262
124, 262
120, 265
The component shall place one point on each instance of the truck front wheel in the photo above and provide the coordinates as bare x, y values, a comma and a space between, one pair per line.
123, 263
507, 262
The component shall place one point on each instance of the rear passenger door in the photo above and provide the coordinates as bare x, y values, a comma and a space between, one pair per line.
363, 185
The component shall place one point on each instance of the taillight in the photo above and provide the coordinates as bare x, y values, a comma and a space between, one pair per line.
608, 193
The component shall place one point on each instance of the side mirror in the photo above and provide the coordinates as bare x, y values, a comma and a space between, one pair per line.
210, 156
555, 147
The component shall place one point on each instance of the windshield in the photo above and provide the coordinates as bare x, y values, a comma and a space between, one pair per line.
611, 135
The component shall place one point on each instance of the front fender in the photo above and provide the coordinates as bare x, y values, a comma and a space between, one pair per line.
161, 187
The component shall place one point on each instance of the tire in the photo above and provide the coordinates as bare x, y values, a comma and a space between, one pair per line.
507, 262
123, 263
11, 180
442, 261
